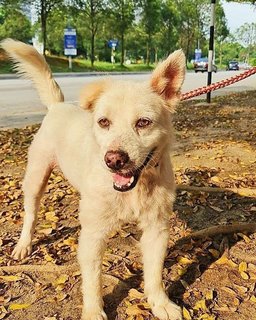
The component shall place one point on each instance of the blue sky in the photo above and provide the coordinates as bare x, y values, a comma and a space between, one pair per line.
239, 13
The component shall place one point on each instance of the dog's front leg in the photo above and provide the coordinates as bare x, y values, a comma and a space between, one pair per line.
90, 254
154, 243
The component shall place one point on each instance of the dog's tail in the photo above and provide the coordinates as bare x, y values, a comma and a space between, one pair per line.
32, 65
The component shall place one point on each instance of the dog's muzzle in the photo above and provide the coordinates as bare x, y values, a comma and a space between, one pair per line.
124, 180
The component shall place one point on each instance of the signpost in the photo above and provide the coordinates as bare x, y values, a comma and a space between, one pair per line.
70, 44
198, 54
112, 44
211, 45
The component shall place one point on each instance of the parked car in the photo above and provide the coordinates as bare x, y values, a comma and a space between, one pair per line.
244, 66
201, 65
233, 65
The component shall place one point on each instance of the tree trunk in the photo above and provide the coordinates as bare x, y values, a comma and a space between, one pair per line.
122, 49
43, 25
92, 49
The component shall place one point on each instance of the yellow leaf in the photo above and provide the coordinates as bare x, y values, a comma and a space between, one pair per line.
11, 278
253, 298
135, 294
48, 258
61, 296
244, 275
245, 237
215, 179
182, 271
50, 216
70, 241
200, 305
215, 253
186, 314
225, 260
17, 306
61, 280
229, 290
184, 260
45, 231
242, 266
209, 295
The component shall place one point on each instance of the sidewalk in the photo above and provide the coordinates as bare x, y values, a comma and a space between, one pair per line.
79, 74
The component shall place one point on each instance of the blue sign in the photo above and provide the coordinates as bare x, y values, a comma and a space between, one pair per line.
70, 42
112, 43
198, 54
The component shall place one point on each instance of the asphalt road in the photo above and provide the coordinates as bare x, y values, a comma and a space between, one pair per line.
20, 105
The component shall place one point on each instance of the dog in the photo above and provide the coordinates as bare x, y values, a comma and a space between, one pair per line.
114, 148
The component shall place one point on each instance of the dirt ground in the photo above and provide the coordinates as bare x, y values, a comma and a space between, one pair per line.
211, 277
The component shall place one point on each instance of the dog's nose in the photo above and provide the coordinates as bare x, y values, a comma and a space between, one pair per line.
116, 160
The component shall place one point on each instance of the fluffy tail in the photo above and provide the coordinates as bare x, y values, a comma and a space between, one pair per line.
32, 65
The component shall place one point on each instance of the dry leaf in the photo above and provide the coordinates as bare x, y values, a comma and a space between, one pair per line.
225, 260
186, 314
11, 278
17, 306
200, 305
242, 266
244, 275
135, 294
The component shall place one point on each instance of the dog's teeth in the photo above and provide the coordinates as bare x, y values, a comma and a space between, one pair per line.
131, 180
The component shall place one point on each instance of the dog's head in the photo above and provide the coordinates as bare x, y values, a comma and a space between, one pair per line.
132, 121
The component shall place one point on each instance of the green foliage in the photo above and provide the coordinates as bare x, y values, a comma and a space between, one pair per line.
14, 24
147, 30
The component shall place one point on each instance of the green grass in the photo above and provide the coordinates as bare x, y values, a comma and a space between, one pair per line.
60, 64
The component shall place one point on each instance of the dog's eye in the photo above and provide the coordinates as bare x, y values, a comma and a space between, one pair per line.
104, 123
143, 123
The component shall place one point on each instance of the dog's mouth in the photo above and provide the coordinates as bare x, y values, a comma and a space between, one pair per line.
125, 181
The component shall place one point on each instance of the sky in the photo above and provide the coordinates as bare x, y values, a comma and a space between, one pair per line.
239, 13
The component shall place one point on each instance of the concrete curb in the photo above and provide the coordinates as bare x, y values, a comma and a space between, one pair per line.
77, 74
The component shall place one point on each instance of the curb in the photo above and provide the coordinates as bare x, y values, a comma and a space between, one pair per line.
77, 74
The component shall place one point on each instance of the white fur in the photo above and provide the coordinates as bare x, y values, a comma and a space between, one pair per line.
71, 137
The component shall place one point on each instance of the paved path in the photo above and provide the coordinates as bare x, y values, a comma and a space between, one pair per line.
20, 105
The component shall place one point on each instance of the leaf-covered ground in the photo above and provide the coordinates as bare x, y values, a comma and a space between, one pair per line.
213, 277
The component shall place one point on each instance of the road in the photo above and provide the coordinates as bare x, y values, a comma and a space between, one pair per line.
20, 105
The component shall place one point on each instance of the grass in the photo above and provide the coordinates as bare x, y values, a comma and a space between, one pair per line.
60, 64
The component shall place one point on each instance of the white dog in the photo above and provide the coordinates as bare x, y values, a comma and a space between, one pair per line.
115, 149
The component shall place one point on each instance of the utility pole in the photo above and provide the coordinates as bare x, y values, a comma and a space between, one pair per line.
211, 46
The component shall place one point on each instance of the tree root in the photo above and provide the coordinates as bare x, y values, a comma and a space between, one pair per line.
39, 268
245, 192
220, 229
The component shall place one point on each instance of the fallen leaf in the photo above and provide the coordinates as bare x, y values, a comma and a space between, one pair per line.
11, 278
17, 306
186, 314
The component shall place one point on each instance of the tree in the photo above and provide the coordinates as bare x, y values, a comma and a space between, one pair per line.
151, 15
92, 11
13, 23
246, 35
43, 9
192, 29
171, 19
221, 29
122, 13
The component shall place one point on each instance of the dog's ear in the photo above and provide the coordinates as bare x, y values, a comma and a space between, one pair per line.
91, 92
168, 77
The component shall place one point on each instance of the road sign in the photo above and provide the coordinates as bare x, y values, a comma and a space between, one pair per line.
112, 43
70, 42
198, 54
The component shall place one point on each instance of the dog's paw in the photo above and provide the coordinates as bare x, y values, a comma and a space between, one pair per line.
94, 316
167, 311
21, 251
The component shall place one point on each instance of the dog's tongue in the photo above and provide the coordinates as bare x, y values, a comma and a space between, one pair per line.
121, 180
